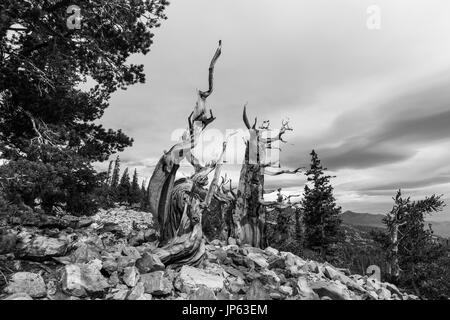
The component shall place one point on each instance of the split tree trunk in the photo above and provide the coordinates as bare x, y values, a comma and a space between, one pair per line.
250, 214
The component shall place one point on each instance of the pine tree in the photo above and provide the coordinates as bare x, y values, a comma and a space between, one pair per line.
115, 174
321, 214
49, 125
123, 190
143, 196
135, 192
411, 244
109, 176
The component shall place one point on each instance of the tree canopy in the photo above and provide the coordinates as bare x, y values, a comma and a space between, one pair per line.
46, 115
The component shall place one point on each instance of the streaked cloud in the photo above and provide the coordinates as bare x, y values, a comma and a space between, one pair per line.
374, 104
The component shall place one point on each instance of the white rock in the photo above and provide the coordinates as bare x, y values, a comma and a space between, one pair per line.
259, 259
384, 294
304, 290
272, 251
130, 276
81, 279
331, 289
137, 292
191, 278
19, 296
292, 260
155, 283
27, 282
286, 290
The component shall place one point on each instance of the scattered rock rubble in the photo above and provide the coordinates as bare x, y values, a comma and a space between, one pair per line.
112, 256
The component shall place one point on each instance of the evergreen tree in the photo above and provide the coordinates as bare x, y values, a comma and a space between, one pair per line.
124, 188
116, 174
321, 214
143, 196
109, 175
135, 192
411, 249
49, 119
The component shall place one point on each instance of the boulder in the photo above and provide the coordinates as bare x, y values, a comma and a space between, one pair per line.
257, 291
334, 274
40, 247
202, 293
258, 259
234, 272
125, 261
84, 253
113, 279
28, 283
271, 251
236, 285
292, 260
286, 290
330, 289
130, 276
18, 296
304, 290
149, 263
131, 252
269, 276
191, 278
145, 296
384, 294
110, 265
137, 292
156, 283
119, 293
84, 279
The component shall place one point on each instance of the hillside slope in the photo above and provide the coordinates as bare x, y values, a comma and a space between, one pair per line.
440, 228
103, 258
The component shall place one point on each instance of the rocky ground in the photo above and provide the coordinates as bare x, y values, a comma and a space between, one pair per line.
110, 256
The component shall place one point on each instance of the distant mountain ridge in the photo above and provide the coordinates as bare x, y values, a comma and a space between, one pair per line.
363, 219
376, 221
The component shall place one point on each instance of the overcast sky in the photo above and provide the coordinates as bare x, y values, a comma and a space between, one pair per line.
375, 104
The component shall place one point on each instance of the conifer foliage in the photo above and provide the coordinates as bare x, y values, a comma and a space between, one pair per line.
320, 212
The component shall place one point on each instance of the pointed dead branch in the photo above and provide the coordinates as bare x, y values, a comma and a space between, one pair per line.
206, 94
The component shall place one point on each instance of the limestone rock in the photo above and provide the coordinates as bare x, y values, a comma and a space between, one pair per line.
384, 294
334, 274
258, 259
149, 263
271, 251
83, 279
202, 293
131, 252
156, 283
137, 292
130, 276
287, 290
18, 296
236, 285
191, 278
304, 290
330, 289
40, 247
28, 283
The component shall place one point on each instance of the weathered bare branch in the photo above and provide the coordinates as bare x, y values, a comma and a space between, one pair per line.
283, 172
206, 94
